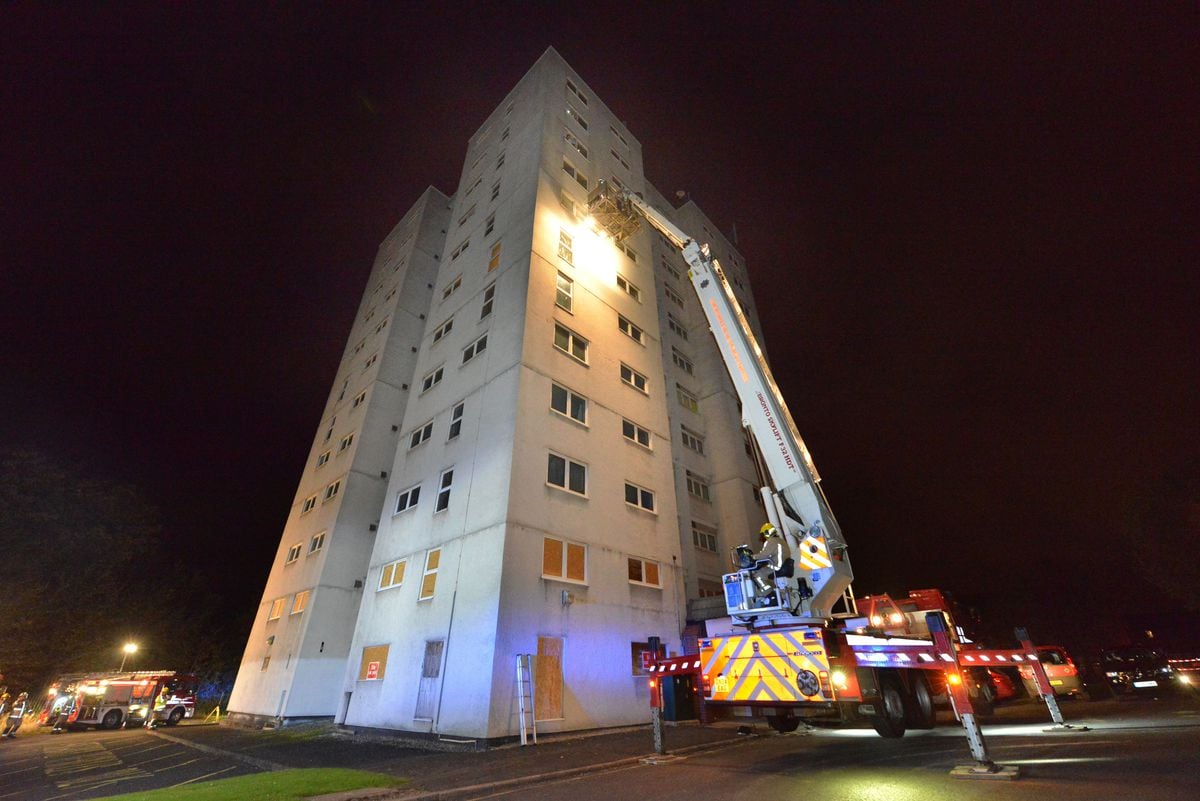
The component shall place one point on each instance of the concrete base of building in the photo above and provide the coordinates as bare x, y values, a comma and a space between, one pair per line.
247, 720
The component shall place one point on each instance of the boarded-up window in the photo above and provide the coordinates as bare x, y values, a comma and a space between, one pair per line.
374, 663
431, 669
564, 560
429, 579
548, 679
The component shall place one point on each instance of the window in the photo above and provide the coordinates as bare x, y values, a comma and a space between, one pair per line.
564, 560
620, 160
443, 496
367, 364
682, 362
570, 343
345, 386
323, 459
566, 474
495, 191
316, 543
277, 609
630, 330
676, 326
692, 440
635, 433
500, 161
467, 215
333, 489
429, 577
294, 553
687, 400
639, 496
628, 251
450, 287
489, 295
643, 571
704, 537
629, 289
617, 134
494, 257
490, 225
574, 142
566, 402
571, 170
573, 89
456, 416
505, 134
301, 602
370, 313
564, 292
567, 203
346, 442
359, 400
458, 251
576, 117
443, 329
329, 431
382, 325
392, 575
673, 296
431, 380
710, 589
474, 349
408, 499
421, 434
358, 348
671, 271
310, 503
265, 664
391, 294
633, 378
698, 487
373, 665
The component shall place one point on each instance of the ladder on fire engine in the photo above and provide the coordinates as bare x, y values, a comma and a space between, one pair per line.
525, 708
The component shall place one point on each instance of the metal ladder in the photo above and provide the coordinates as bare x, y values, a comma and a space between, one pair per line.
525, 709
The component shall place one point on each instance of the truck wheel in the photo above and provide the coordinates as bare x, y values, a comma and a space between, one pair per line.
919, 711
889, 721
175, 716
983, 700
782, 724
112, 719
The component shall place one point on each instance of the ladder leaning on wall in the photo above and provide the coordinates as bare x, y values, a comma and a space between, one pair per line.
525, 708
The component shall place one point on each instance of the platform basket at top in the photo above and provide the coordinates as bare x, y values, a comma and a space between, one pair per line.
613, 211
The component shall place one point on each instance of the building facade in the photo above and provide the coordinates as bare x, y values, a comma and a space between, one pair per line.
547, 456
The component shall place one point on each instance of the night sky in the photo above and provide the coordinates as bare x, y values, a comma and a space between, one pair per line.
971, 233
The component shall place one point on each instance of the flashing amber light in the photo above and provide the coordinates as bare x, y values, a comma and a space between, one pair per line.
653, 683
897, 618
954, 678
876, 620
839, 679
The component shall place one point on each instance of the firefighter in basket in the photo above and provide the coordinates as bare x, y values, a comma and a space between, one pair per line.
769, 559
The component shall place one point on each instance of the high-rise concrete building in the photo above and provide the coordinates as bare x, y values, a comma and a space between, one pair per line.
531, 447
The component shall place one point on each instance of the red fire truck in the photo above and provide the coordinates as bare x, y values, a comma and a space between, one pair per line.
111, 700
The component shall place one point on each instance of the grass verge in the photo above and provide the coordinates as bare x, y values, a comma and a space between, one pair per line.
281, 785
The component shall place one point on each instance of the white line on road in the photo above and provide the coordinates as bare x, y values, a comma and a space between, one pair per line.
205, 776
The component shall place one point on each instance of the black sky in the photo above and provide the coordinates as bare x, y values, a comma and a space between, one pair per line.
971, 233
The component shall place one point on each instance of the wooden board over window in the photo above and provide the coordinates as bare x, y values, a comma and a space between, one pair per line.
548, 679
374, 663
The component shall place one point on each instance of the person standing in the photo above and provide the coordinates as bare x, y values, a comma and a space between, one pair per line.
16, 715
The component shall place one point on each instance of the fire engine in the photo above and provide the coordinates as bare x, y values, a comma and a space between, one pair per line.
796, 647
114, 699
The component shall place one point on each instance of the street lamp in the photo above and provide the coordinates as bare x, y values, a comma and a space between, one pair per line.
127, 649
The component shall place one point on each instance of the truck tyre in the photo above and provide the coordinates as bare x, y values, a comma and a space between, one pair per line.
983, 699
175, 716
889, 720
784, 724
918, 707
112, 719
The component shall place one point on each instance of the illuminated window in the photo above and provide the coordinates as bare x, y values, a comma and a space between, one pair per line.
644, 572
294, 553
639, 497
489, 295
432, 380
408, 499
277, 608
301, 602
346, 442
574, 90
564, 292
628, 288
635, 433
574, 142
692, 440
566, 474
704, 537
445, 483
698, 487
570, 343
633, 378
451, 287
316, 543
494, 258
474, 349
443, 329
630, 330
392, 575
456, 416
676, 326
323, 459
565, 561
429, 577
682, 362
573, 171
333, 489
420, 435
310, 503
566, 402
687, 400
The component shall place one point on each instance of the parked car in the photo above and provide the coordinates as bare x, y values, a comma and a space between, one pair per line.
1007, 687
1060, 670
1137, 669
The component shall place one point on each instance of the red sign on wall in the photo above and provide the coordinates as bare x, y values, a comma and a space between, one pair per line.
372, 670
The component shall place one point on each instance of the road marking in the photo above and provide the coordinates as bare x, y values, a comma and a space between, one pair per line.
205, 776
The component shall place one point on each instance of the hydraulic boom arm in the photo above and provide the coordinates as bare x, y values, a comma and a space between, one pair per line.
795, 502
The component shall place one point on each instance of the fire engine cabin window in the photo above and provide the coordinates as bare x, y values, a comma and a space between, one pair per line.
548, 703
316, 543
294, 553
374, 663
564, 561
644, 572
443, 497
429, 577
277, 608
570, 343
568, 403
639, 497
566, 474
564, 292
392, 574
301, 602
